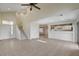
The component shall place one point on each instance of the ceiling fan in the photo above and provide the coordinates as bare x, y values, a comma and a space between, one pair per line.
31, 5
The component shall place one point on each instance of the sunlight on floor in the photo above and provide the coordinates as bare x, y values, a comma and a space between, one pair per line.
41, 41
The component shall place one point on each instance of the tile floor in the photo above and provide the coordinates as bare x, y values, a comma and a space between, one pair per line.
46, 47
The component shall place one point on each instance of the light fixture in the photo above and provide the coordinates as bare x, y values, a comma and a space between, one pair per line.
9, 8
61, 14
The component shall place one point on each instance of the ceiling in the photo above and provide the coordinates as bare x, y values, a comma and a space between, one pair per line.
9, 7
47, 9
51, 9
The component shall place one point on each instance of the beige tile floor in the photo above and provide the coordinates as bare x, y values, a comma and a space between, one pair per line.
48, 47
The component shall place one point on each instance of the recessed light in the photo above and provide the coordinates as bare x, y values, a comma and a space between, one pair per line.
61, 14
9, 8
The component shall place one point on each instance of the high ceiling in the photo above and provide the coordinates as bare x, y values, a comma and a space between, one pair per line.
47, 9
9, 7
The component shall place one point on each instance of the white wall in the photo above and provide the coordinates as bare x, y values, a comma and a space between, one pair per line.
17, 33
5, 32
77, 31
34, 31
65, 35
61, 35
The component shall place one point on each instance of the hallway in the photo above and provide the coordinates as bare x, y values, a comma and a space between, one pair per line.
35, 47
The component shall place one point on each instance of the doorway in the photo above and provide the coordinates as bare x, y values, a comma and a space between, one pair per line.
43, 31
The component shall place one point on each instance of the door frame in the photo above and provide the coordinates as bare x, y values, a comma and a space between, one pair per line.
45, 30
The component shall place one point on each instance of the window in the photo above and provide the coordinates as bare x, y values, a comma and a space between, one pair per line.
62, 27
6, 22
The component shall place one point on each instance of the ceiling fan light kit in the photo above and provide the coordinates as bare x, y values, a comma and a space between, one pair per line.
27, 7
31, 6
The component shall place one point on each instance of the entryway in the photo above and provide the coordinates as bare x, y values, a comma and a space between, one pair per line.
43, 31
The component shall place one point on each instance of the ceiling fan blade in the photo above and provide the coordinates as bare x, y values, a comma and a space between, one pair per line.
32, 3
25, 4
36, 7
35, 3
